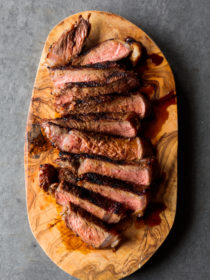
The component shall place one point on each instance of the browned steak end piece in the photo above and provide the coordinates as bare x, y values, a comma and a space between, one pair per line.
141, 173
132, 196
90, 229
109, 50
104, 208
69, 45
134, 102
78, 142
120, 124
48, 177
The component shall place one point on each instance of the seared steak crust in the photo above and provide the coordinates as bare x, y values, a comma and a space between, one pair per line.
134, 102
104, 208
65, 75
94, 198
115, 183
124, 82
141, 173
120, 124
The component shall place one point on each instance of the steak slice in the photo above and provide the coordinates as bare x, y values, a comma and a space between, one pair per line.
102, 207
69, 44
141, 174
73, 91
67, 163
90, 229
119, 124
48, 177
65, 174
135, 103
132, 196
78, 142
109, 50
80, 75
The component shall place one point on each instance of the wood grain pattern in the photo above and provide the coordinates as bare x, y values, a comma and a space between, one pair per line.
141, 239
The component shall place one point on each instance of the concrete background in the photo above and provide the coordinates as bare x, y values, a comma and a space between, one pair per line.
182, 31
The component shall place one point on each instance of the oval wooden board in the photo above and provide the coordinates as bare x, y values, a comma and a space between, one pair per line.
141, 242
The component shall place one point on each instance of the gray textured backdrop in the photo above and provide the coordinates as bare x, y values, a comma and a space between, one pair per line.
182, 31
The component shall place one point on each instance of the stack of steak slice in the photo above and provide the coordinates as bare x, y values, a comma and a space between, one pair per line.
105, 168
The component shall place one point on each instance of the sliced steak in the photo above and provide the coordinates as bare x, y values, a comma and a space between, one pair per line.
70, 43
135, 103
67, 163
74, 91
65, 174
119, 124
78, 142
80, 75
48, 177
90, 229
109, 50
140, 174
104, 208
124, 82
132, 196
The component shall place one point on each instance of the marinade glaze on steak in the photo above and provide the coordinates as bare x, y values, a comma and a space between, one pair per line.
90, 229
120, 124
106, 209
69, 45
133, 102
78, 142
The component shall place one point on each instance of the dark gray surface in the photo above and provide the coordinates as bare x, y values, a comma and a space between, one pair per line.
181, 29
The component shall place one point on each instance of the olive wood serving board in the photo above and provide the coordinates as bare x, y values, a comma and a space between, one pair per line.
144, 236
